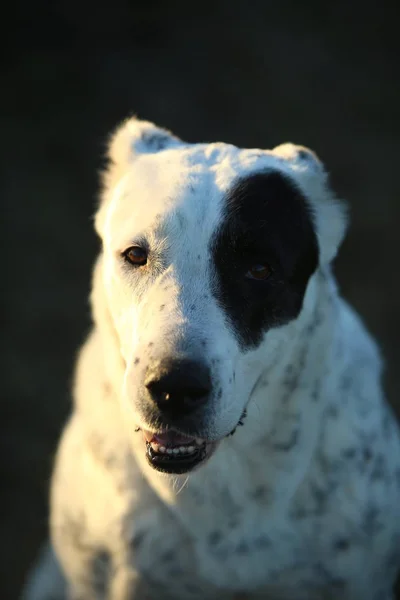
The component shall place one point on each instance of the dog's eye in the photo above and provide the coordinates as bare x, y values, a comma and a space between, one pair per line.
259, 272
136, 256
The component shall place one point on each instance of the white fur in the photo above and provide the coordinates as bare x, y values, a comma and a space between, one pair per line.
314, 520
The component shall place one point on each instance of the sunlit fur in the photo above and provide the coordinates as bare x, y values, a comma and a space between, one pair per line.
303, 501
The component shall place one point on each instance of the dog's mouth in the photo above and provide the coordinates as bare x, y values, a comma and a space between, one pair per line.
173, 452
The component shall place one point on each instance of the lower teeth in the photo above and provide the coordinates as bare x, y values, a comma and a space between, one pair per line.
177, 451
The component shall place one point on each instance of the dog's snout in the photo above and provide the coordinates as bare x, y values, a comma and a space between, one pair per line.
179, 387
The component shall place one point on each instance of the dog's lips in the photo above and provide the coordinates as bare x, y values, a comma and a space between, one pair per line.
174, 452
169, 439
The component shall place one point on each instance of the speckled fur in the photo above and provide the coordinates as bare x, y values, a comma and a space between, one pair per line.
303, 501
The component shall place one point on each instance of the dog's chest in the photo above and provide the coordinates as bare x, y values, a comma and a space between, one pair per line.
223, 549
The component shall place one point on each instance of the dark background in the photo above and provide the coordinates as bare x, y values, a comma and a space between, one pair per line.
252, 73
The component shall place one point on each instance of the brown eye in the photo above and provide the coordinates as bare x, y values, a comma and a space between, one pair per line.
136, 256
259, 272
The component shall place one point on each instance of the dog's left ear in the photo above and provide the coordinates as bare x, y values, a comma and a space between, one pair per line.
329, 213
132, 138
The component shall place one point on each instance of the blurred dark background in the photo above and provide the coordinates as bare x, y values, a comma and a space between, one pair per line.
252, 73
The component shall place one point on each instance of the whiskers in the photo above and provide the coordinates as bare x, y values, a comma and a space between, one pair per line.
177, 482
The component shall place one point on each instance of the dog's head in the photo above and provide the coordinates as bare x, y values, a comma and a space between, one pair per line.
208, 251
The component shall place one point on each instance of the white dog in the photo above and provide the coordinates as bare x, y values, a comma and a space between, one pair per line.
214, 306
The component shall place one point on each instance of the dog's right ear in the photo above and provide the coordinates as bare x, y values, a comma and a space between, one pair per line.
138, 137
132, 138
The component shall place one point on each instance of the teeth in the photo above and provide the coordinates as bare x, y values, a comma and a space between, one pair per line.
174, 451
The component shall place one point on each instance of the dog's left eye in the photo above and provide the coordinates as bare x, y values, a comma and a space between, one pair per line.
259, 272
135, 256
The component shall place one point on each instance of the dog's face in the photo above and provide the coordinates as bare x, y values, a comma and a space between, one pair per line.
207, 254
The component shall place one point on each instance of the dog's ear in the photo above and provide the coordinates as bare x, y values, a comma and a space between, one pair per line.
132, 138
138, 137
329, 213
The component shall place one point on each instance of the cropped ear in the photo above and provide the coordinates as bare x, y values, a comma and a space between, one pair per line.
330, 214
132, 138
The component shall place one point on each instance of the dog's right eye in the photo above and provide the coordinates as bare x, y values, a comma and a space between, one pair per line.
136, 256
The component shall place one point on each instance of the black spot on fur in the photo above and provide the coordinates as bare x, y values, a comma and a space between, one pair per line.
162, 307
136, 361
150, 344
299, 513
349, 453
233, 523
303, 154
292, 375
100, 450
242, 548
155, 140
320, 498
393, 556
315, 393
346, 382
289, 445
137, 540
371, 523
260, 493
267, 220
341, 544
175, 571
73, 528
100, 570
214, 538
332, 412
261, 542
379, 469
367, 454
168, 556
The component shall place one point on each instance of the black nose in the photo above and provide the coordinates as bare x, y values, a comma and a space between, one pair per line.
178, 387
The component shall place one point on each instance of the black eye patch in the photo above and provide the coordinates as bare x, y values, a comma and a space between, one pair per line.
266, 220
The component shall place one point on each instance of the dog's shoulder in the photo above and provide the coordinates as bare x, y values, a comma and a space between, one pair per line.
352, 485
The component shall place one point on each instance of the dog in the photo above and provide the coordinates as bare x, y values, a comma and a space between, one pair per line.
229, 436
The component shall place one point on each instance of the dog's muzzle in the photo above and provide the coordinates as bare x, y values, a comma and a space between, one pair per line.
177, 390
